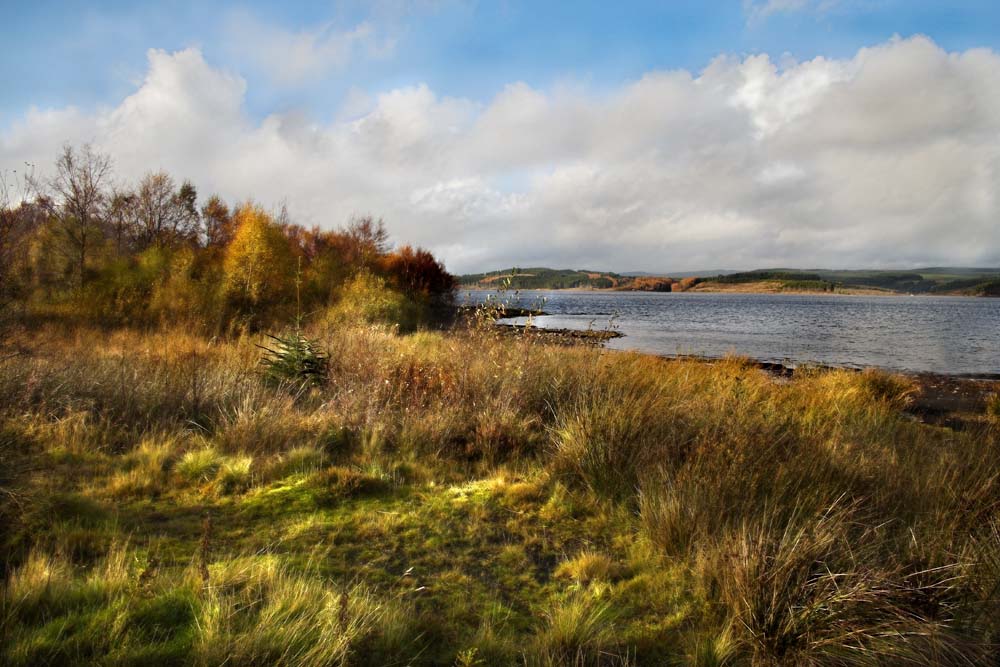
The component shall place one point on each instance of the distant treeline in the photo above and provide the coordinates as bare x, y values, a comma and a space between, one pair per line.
980, 282
77, 244
544, 278
934, 281
757, 276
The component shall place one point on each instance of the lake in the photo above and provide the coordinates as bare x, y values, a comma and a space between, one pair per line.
949, 335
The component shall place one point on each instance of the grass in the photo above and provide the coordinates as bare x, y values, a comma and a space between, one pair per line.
587, 567
454, 498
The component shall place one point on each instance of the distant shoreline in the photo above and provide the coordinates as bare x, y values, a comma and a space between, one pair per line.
943, 281
738, 288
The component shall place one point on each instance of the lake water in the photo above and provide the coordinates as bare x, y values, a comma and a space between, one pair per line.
952, 335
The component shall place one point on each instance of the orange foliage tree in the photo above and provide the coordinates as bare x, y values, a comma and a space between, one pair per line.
417, 272
259, 266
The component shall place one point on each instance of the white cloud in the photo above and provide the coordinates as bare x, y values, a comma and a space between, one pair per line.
888, 158
758, 11
295, 57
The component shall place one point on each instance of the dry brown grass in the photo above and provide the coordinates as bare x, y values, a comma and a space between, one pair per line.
806, 522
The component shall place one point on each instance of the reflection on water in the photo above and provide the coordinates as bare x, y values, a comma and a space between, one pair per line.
955, 335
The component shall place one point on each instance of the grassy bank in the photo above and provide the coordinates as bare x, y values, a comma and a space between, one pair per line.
461, 499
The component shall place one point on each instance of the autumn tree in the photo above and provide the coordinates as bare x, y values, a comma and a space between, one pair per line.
416, 271
187, 201
19, 219
75, 196
259, 266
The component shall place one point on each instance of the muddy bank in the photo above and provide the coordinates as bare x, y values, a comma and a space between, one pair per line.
951, 401
561, 336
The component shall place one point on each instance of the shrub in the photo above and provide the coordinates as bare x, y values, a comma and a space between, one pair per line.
368, 299
417, 272
294, 359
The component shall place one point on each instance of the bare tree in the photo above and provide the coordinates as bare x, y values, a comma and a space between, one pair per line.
366, 240
165, 216
120, 219
75, 196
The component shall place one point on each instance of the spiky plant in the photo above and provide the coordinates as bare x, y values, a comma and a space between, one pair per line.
295, 359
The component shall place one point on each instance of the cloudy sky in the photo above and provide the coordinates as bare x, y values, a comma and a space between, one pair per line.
658, 136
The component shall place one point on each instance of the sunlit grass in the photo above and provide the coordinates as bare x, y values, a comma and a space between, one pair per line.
459, 499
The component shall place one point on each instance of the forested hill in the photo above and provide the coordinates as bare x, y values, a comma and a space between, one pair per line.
930, 280
544, 278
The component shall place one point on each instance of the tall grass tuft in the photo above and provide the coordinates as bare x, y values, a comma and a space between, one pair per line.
256, 613
817, 590
580, 632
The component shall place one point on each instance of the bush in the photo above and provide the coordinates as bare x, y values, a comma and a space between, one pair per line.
367, 299
295, 359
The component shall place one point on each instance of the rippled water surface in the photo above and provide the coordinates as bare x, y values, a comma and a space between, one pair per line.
954, 335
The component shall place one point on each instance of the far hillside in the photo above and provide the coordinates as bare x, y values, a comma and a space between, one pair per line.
930, 280
544, 278
935, 280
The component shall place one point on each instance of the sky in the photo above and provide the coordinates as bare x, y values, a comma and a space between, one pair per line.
633, 136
